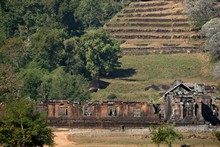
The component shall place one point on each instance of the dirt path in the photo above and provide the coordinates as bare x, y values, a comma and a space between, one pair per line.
61, 139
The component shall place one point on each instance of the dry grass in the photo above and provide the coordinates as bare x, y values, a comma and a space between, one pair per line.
145, 141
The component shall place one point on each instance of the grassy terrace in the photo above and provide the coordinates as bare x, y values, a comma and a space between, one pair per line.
138, 72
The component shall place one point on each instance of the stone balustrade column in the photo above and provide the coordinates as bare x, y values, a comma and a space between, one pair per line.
181, 110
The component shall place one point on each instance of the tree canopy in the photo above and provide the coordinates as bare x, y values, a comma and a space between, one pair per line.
52, 49
22, 125
62, 85
99, 52
164, 134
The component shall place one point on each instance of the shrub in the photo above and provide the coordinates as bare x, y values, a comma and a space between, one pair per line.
214, 46
217, 135
216, 72
211, 27
164, 134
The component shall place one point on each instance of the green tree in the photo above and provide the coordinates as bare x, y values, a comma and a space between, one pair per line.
157, 135
62, 11
171, 135
62, 85
71, 60
109, 8
164, 134
22, 125
9, 82
31, 77
217, 135
41, 85
89, 13
47, 48
2, 27
99, 52
13, 52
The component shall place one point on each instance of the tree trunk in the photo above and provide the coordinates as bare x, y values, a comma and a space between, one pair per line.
170, 144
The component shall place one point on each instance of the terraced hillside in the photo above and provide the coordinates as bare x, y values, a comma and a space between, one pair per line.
154, 27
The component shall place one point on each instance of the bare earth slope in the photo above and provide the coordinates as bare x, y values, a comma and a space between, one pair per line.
154, 27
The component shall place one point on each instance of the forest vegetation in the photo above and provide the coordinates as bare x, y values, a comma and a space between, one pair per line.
51, 49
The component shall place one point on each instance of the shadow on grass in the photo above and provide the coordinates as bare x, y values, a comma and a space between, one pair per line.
129, 80
122, 73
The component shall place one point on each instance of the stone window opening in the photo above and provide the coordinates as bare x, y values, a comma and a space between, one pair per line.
137, 112
196, 108
187, 109
63, 111
112, 112
87, 112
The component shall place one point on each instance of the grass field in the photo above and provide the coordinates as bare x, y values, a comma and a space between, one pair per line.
138, 72
144, 141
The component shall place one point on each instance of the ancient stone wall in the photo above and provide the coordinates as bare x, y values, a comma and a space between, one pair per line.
100, 114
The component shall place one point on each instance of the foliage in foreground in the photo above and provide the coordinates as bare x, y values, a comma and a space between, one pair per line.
217, 135
164, 134
23, 126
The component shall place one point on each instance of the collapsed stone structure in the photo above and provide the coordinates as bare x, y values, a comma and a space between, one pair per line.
182, 104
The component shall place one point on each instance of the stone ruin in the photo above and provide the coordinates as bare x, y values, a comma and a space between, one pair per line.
100, 114
183, 103
189, 103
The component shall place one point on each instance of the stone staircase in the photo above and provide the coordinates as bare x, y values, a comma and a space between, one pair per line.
154, 27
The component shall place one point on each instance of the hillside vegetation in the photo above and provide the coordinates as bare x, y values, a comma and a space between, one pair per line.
138, 72
161, 27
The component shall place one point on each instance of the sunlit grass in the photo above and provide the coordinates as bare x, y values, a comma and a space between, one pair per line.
206, 139
138, 72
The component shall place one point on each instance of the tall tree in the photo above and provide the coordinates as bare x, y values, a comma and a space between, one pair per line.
13, 52
32, 79
9, 83
62, 11
2, 27
71, 60
109, 8
99, 52
47, 47
61, 85
89, 13
23, 126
